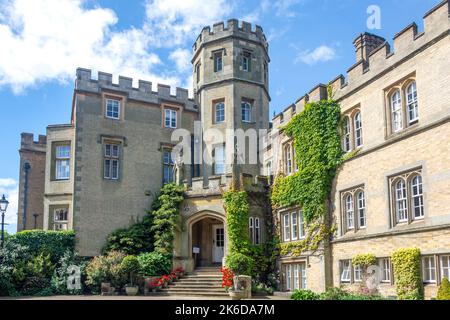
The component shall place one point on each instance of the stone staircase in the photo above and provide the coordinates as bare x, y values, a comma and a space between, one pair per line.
203, 282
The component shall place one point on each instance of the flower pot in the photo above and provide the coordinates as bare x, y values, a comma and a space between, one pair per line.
106, 288
236, 294
131, 290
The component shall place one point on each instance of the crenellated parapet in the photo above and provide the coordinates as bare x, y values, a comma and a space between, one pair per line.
27, 142
216, 185
375, 56
233, 28
144, 92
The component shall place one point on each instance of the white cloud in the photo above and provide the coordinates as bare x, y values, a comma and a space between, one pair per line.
182, 59
46, 40
285, 8
172, 22
10, 188
322, 53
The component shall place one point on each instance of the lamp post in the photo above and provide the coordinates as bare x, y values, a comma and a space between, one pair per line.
3, 206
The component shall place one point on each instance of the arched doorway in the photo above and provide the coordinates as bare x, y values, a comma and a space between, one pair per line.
207, 239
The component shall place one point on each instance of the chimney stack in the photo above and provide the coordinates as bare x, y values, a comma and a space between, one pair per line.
365, 43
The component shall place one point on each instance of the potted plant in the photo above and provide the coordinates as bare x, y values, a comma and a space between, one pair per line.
166, 279
179, 271
130, 266
236, 291
173, 276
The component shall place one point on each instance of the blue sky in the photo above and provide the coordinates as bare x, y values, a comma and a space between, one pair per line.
43, 41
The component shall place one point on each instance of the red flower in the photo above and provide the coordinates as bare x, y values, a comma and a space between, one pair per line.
227, 277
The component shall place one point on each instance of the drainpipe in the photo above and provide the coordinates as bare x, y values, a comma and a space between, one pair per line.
27, 168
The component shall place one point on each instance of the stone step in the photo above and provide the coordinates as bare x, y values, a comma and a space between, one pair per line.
196, 285
203, 277
223, 295
190, 290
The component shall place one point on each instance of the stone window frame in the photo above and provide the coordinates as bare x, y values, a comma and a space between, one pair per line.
214, 162
406, 177
352, 271
254, 225
122, 104
246, 54
197, 71
438, 268
354, 193
216, 102
174, 107
300, 225
217, 55
380, 263
289, 168
249, 103
302, 275
53, 173
167, 164
54, 222
401, 87
118, 158
349, 131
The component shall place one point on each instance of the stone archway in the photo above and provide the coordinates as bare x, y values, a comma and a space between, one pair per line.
207, 232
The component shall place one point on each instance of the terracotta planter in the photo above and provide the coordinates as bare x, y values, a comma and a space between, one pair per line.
131, 290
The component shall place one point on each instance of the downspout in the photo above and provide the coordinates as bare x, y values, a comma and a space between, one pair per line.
27, 168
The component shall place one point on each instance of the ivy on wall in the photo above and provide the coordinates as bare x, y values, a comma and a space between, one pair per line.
317, 141
408, 282
166, 217
237, 209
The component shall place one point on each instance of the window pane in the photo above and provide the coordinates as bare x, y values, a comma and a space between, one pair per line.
107, 168
401, 201
445, 267
349, 212
302, 224
413, 109
429, 269
294, 226
347, 134
115, 169
219, 160
62, 152
361, 209
287, 228
396, 107
417, 197
288, 277
220, 112
345, 270
246, 111
358, 130
296, 277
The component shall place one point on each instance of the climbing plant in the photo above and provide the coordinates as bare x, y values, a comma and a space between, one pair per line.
237, 209
408, 282
166, 217
317, 141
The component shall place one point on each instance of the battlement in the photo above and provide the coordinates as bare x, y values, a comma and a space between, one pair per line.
233, 28
27, 142
216, 185
144, 92
376, 56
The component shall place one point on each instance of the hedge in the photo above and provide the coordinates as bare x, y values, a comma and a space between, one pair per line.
406, 263
52, 243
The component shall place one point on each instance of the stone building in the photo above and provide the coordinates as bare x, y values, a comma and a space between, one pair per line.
393, 193
104, 168
31, 182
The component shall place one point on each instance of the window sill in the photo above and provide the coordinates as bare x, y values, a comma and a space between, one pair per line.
404, 131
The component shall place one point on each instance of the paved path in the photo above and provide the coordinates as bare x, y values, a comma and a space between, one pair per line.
262, 298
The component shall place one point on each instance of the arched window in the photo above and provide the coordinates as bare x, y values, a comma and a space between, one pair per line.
413, 107
349, 212
251, 232
396, 111
401, 201
288, 157
220, 112
257, 232
246, 108
361, 209
358, 129
346, 142
417, 197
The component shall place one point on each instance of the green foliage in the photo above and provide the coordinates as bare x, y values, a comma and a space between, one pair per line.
130, 265
237, 209
52, 243
105, 268
61, 274
364, 260
406, 263
154, 264
341, 294
34, 276
259, 287
166, 217
241, 264
13, 258
444, 290
317, 142
304, 295
134, 240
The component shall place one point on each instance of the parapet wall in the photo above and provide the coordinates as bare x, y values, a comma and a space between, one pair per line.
407, 42
144, 92
216, 185
27, 142
233, 28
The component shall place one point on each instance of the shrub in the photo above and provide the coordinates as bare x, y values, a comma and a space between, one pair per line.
444, 290
304, 295
154, 264
260, 287
240, 263
52, 243
137, 239
13, 257
61, 275
237, 208
364, 260
406, 263
341, 294
105, 268
130, 265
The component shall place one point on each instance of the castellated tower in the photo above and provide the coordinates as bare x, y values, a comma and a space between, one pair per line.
231, 85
